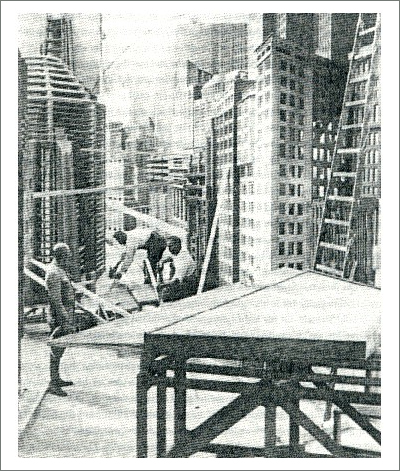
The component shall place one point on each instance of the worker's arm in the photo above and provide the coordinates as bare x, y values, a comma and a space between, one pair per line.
54, 291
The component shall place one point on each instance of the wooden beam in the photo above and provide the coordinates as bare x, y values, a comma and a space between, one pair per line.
296, 415
224, 419
80, 288
82, 191
213, 232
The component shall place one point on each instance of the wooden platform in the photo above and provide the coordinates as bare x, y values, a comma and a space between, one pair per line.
273, 335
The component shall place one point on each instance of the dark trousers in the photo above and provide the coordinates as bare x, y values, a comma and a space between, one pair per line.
55, 352
180, 289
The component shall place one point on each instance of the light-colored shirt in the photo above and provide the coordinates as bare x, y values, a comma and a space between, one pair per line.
183, 262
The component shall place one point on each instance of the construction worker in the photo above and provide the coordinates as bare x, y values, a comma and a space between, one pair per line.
183, 280
138, 239
61, 314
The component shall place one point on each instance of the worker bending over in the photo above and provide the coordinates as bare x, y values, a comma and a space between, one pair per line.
182, 280
138, 239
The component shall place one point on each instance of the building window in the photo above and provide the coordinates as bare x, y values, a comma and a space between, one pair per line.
281, 265
281, 228
282, 170
290, 248
282, 132
251, 188
282, 208
283, 65
282, 115
292, 85
281, 248
300, 135
321, 191
292, 118
282, 189
300, 171
299, 228
291, 228
300, 209
300, 152
301, 72
292, 190
291, 209
292, 154
300, 190
292, 69
284, 81
299, 266
299, 248
292, 100
267, 80
301, 119
283, 98
282, 151
291, 265
292, 134
301, 103
292, 171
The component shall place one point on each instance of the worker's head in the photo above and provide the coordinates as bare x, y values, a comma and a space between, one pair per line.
120, 237
174, 244
62, 254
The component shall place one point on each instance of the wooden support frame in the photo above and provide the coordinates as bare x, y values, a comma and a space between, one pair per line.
266, 392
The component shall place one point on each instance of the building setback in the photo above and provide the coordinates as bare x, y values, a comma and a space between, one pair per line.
65, 150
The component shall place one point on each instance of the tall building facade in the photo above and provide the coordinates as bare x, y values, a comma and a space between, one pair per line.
215, 48
329, 35
116, 152
76, 39
66, 150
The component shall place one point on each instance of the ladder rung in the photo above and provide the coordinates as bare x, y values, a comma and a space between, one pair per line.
354, 150
344, 174
330, 270
364, 51
354, 103
360, 78
337, 222
366, 31
339, 248
352, 126
341, 198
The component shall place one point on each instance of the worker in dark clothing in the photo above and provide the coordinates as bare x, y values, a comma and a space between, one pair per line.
183, 280
139, 239
155, 246
61, 314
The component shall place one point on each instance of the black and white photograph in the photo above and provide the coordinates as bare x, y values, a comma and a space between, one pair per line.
198, 233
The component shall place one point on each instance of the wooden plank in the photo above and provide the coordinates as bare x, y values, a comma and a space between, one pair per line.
321, 309
130, 331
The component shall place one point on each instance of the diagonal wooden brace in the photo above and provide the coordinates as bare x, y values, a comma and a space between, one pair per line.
304, 421
225, 418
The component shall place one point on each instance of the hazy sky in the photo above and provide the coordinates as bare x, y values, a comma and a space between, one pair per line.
138, 52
